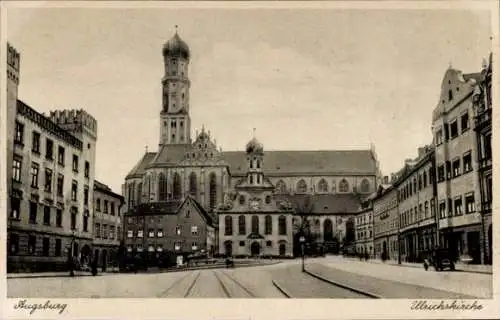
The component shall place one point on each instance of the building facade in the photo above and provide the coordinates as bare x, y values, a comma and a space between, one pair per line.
458, 195
199, 168
52, 170
108, 229
365, 228
416, 189
482, 102
386, 223
167, 233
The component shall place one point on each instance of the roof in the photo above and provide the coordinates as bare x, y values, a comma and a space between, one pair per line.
327, 203
277, 163
307, 162
103, 188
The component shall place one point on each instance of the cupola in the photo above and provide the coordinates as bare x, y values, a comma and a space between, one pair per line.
176, 47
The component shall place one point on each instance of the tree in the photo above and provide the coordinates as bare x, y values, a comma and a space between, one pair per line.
304, 207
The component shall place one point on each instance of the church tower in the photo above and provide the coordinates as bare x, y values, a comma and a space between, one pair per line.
255, 155
175, 126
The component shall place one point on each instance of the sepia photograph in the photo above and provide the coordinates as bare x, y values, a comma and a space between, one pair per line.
267, 151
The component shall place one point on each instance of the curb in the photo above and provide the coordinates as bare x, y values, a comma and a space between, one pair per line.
368, 294
281, 289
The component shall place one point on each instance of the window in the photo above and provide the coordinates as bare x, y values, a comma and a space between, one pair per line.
193, 184
194, 230
98, 205
35, 168
58, 248
448, 170
86, 169
86, 195
456, 168
450, 95
19, 136
228, 226
242, 243
467, 159
15, 206
487, 146
177, 186
139, 247
14, 243
439, 137
45, 247
33, 212
112, 206
35, 142
112, 232
162, 187
49, 149
280, 187
188, 213
343, 186
301, 186
46, 215
450, 207
442, 210
130, 233
60, 185
105, 231
105, 207
178, 230
140, 233
242, 200
75, 163
425, 179
213, 190
48, 180
282, 225
323, 186
446, 132
16, 170
159, 233
60, 156
58, 217
426, 209
470, 205
177, 246
268, 199
269, 243
242, 225
419, 182
118, 233
74, 190
194, 246
458, 206
255, 224
32, 245
268, 225
453, 129
73, 217
464, 122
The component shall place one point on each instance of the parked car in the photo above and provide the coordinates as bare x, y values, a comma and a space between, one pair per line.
440, 259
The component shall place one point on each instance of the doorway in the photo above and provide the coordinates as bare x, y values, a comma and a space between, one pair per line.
282, 249
255, 249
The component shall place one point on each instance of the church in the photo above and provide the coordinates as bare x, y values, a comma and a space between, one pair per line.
252, 184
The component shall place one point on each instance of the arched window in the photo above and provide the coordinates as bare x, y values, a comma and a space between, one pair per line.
365, 186
242, 199
269, 225
343, 186
213, 190
301, 186
282, 225
193, 184
177, 186
139, 193
147, 182
328, 230
281, 187
323, 186
242, 228
258, 164
162, 187
255, 224
228, 226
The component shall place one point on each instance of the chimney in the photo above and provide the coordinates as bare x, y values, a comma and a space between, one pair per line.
386, 180
421, 152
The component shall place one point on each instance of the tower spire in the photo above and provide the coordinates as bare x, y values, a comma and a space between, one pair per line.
176, 28
254, 132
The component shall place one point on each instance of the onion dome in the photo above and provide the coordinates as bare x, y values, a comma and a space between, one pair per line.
254, 146
176, 47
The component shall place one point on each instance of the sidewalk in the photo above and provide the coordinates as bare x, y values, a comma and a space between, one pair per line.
58, 274
475, 268
465, 283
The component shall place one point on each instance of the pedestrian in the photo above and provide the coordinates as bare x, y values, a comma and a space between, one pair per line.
94, 267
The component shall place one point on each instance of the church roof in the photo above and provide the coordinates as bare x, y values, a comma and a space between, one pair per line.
326, 203
355, 162
352, 162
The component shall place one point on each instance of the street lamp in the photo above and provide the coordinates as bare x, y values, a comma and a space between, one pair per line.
72, 253
302, 240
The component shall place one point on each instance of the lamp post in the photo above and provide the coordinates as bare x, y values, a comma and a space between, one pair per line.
72, 253
302, 240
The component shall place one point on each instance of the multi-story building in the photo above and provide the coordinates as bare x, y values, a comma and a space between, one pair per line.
482, 102
52, 175
458, 192
417, 206
386, 223
364, 227
198, 168
107, 225
169, 231
253, 204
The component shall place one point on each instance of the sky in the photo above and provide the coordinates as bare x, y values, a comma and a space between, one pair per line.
305, 79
